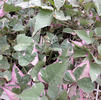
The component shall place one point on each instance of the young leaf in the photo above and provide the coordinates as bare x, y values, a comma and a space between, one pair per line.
86, 84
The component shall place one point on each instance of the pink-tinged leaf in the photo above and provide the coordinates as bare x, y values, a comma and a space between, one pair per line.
34, 48
87, 32
86, 69
39, 77
56, 61
72, 91
91, 14
73, 33
14, 78
83, 42
72, 60
1, 2
78, 23
98, 18
64, 86
35, 61
4, 96
81, 95
55, 25
72, 75
60, 52
10, 94
78, 43
1, 13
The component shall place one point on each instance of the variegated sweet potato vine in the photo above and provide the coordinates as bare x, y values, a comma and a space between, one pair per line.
50, 49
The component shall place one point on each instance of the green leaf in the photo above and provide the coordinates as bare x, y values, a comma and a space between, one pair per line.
78, 72
68, 30
98, 80
68, 78
97, 60
98, 5
10, 8
44, 98
79, 52
3, 44
74, 3
32, 93
62, 96
47, 7
23, 42
59, 3
1, 57
84, 21
95, 70
42, 19
24, 60
54, 73
53, 41
64, 55
99, 49
66, 45
52, 2
1, 91
53, 92
86, 84
25, 79
18, 27
98, 31
34, 71
29, 4
59, 15
4, 64
5, 75
83, 35
16, 90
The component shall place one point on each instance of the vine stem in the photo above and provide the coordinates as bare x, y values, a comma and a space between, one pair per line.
97, 92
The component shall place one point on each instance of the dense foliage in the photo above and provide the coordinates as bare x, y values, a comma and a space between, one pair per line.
49, 49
